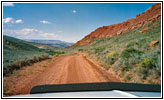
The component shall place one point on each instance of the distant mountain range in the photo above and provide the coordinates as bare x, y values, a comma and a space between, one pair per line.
56, 43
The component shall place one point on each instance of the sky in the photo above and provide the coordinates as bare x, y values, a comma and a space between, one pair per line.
68, 22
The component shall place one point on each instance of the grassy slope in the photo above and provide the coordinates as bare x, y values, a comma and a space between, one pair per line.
15, 50
129, 54
18, 53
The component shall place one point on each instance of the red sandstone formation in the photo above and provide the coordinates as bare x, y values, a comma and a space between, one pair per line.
150, 15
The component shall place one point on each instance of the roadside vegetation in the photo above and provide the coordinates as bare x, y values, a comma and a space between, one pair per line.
135, 56
18, 53
54, 53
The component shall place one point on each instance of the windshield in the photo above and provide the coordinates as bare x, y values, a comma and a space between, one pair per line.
53, 43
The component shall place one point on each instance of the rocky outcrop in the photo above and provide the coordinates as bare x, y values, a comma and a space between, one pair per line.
150, 15
153, 43
145, 30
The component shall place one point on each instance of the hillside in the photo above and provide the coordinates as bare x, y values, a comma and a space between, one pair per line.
150, 15
134, 55
17, 51
10, 43
55, 43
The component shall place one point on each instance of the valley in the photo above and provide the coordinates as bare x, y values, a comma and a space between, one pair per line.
123, 52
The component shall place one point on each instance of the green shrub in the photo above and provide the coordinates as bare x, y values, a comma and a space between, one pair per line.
131, 44
141, 42
121, 64
128, 60
111, 54
122, 74
150, 81
155, 55
145, 66
15, 72
126, 68
81, 50
52, 53
130, 52
5, 88
100, 41
111, 57
99, 49
126, 64
127, 77
21, 63
158, 64
154, 74
111, 60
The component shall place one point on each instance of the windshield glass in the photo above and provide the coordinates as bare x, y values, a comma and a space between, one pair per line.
50, 43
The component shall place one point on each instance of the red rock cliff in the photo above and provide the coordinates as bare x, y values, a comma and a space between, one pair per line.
150, 15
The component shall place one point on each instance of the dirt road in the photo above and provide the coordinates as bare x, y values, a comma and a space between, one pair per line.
59, 70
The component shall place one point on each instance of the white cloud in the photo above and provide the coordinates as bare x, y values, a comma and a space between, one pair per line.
48, 35
8, 4
19, 21
45, 22
10, 20
74, 11
26, 31
30, 33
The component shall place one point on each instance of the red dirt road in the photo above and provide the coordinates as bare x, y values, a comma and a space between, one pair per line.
60, 70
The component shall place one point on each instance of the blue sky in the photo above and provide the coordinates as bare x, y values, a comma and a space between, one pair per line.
68, 22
